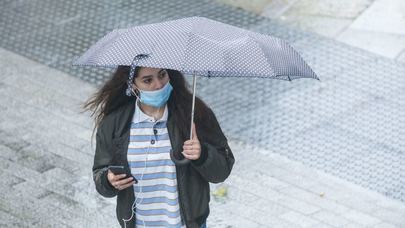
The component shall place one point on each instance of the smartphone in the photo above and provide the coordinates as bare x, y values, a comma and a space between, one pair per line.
119, 169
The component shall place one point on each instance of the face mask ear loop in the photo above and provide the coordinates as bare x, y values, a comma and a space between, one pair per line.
134, 93
130, 80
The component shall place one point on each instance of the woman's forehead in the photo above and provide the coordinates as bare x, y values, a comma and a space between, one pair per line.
148, 70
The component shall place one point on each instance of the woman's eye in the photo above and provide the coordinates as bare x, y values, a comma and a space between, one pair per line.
147, 81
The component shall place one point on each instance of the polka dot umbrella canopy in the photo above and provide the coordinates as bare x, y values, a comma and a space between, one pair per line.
198, 46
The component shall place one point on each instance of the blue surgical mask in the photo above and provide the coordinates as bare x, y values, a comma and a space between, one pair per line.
156, 98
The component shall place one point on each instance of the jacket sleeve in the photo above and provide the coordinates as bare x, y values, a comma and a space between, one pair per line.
102, 158
216, 159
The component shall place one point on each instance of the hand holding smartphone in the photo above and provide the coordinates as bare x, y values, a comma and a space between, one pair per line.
119, 169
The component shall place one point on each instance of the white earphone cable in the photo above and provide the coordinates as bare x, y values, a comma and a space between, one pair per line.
139, 181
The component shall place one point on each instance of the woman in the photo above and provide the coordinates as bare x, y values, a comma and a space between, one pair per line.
138, 132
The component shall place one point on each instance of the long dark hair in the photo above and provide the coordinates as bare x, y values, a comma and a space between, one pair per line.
112, 96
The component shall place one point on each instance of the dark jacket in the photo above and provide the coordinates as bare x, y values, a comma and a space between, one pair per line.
214, 165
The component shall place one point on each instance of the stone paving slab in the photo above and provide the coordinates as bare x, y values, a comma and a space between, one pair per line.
45, 183
386, 44
386, 16
328, 17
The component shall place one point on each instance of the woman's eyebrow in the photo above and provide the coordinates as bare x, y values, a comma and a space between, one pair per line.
152, 75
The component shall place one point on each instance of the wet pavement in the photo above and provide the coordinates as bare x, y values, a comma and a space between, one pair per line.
350, 125
373, 25
46, 159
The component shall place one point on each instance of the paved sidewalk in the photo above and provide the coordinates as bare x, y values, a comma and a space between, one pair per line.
46, 160
377, 26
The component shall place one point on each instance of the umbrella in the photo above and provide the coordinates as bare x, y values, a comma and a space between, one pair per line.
198, 46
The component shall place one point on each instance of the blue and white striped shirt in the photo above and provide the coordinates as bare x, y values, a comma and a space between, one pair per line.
156, 193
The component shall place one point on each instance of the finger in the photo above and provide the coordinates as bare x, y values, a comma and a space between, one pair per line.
185, 152
195, 146
118, 177
120, 184
190, 152
128, 180
187, 147
127, 185
191, 142
112, 176
124, 181
190, 156
185, 155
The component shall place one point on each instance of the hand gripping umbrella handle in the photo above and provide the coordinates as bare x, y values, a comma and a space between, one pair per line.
185, 161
